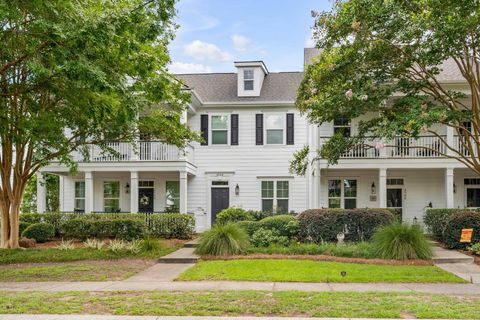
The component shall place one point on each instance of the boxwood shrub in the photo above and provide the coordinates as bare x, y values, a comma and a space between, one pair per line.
319, 225
285, 225
436, 220
455, 224
233, 215
40, 232
249, 226
171, 225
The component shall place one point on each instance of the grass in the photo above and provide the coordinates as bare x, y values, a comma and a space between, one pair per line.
9, 256
313, 271
237, 303
91, 271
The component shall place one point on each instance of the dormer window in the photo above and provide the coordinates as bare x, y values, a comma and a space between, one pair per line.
248, 80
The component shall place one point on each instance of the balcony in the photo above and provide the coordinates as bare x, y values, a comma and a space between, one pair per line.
136, 151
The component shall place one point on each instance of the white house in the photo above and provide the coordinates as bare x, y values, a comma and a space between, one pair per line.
251, 129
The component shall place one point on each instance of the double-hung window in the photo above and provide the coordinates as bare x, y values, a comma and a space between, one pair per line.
219, 129
111, 196
274, 129
342, 193
275, 196
342, 125
79, 201
248, 80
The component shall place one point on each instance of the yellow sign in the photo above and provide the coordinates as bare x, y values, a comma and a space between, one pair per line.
466, 235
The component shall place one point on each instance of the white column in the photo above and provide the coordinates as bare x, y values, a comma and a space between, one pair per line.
61, 190
183, 192
382, 188
450, 140
183, 117
314, 173
133, 192
449, 196
41, 193
88, 192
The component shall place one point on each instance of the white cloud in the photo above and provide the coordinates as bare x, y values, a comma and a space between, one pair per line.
202, 51
182, 67
241, 43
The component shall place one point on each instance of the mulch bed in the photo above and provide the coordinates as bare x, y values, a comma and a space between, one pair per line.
322, 258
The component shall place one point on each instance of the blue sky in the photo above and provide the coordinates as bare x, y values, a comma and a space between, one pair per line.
214, 33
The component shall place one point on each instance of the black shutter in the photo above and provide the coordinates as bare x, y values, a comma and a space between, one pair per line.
290, 129
259, 129
234, 129
204, 128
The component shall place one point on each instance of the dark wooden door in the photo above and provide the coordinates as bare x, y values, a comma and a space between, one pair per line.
145, 200
220, 201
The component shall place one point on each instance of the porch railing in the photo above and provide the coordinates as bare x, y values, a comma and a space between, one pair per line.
400, 147
136, 151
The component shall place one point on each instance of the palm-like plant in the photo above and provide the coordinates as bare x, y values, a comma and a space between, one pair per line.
222, 240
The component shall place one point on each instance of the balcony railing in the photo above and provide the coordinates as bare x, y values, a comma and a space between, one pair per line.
136, 151
400, 147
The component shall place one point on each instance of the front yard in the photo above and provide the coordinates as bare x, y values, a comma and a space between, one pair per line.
247, 303
313, 271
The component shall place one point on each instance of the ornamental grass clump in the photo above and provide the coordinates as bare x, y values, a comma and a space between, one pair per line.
222, 240
401, 242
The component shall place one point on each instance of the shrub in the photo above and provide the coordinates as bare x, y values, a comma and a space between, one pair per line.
475, 249
41, 232
436, 221
125, 229
76, 229
401, 241
171, 225
22, 226
249, 226
259, 215
66, 245
94, 244
323, 225
53, 218
150, 244
233, 215
223, 239
285, 225
117, 246
266, 237
454, 226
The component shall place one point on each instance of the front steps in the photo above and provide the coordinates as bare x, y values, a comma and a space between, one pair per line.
183, 255
443, 256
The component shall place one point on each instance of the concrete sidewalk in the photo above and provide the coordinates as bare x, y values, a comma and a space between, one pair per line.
103, 317
436, 288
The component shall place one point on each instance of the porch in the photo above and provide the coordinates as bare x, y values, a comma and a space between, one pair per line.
119, 191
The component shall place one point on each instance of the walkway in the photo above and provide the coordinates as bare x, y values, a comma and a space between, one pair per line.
457, 263
103, 317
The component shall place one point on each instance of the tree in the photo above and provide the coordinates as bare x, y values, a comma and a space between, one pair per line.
29, 203
79, 72
383, 59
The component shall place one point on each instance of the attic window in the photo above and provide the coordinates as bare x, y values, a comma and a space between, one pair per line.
248, 80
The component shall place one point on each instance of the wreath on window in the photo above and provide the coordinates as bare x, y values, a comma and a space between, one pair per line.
144, 201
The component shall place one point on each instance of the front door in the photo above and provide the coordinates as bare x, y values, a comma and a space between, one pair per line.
220, 201
145, 200
395, 199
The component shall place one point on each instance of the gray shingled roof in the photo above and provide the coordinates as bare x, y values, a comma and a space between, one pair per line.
222, 87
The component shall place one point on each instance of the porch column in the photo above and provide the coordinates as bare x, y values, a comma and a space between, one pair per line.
449, 196
134, 192
450, 139
183, 192
88, 192
314, 177
61, 188
382, 188
41, 193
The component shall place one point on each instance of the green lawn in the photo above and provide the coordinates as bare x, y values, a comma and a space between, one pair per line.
237, 303
8, 256
81, 271
313, 271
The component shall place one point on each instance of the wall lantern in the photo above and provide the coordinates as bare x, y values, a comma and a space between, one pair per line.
415, 220
127, 188
237, 190
454, 188
374, 189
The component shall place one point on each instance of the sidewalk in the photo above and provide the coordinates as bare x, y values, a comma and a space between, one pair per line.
101, 317
436, 288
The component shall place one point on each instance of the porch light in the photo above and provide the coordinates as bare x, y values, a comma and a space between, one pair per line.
415, 220
127, 188
374, 189
454, 188
237, 190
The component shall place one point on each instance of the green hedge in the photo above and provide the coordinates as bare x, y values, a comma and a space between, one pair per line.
286, 225
319, 225
436, 220
455, 224
40, 232
233, 215
83, 225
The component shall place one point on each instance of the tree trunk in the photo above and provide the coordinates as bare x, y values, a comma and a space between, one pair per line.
5, 229
14, 224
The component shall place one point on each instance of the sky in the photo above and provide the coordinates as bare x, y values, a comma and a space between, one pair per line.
214, 33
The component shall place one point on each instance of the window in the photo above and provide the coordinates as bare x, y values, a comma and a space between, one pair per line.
111, 196
172, 194
342, 193
473, 192
275, 196
274, 129
79, 202
219, 129
146, 184
470, 181
247, 80
342, 125
395, 182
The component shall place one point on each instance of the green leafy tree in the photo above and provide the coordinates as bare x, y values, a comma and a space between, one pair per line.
383, 59
29, 203
80, 72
